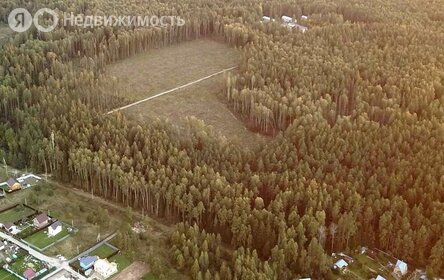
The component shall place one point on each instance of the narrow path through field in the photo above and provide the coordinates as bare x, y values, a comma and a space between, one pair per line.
58, 264
172, 90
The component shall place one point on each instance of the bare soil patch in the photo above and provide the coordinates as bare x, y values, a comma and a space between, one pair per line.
133, 272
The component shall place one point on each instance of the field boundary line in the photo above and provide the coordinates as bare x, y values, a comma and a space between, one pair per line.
171, 90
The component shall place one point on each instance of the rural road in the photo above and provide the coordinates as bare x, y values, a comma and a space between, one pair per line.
32, 252
54, 262
171, 90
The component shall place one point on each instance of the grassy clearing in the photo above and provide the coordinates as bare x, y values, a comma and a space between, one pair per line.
121, 260
156, 71
15, 214
4, 275
204, 102
42, 240
103, 252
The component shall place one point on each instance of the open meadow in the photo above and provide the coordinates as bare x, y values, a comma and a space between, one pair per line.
156, 71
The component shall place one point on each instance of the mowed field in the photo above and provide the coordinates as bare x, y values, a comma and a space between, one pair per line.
160, 70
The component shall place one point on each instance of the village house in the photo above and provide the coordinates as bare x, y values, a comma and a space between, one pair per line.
105, 268
400, 268
87, 262
340, 265
13, 184
29, 274
11, 228
291, 24
287, 19
55, 229
41, 221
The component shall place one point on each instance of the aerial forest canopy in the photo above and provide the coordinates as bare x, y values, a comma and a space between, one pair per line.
354, 106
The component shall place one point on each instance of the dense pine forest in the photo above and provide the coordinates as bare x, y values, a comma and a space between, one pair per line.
355, 107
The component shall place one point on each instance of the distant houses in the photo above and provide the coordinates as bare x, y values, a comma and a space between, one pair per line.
340, 265
15, 184
287, 19
266, 19
400, 268
288, 22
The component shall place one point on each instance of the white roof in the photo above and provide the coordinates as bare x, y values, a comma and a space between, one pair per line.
287, 18
104, 263
402, 266
380, 278
341, 263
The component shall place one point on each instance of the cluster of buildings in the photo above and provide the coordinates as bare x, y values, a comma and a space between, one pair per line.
39, 222
11, 253
288, 22
13, 184
398, 270
91, 264
8, 252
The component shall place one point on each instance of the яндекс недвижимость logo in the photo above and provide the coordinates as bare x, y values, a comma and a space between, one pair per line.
20, 20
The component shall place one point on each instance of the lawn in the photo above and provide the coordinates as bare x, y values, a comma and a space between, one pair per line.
41, 240
121, 260
156, 71
4, 275
15, 214
103, 251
